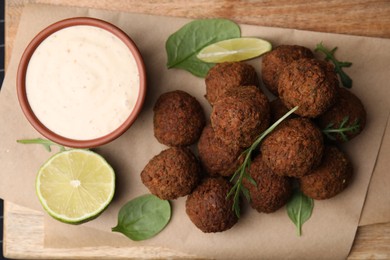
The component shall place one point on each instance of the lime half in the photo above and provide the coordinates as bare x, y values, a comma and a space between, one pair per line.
237, 49
75, 186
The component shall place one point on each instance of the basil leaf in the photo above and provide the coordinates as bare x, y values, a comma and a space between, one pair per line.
183, 46
299, 209
143, 217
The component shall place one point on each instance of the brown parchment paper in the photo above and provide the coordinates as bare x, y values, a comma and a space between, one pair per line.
328, 234
377, 205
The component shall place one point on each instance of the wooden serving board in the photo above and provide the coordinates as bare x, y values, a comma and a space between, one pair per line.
24, 228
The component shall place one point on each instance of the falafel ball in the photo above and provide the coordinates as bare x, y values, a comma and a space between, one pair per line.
208, 208
217, 157
330, 178
294, 148
274, 62
228, 75
348, 106
278, 109
240, 116
310, 84
272, 191
171, 174
178, 119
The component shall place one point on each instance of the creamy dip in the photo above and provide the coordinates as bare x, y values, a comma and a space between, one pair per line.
82, 82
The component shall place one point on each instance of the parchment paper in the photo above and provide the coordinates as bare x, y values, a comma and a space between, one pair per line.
328, 234
377, 205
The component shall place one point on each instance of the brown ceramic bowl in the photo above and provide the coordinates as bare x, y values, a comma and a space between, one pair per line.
21, 83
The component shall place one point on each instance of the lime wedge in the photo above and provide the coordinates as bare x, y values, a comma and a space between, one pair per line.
75, 186
237, 49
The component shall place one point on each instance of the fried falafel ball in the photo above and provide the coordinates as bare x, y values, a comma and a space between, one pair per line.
208, 208
172, 173
178, 119
349, 107
294, 148
217, 157
310, 84
330, 178
272, 191
228, 75
278, 109
240, 116
274, 61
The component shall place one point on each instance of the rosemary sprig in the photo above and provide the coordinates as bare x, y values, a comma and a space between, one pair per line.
242, 172
342, 130
339, 65
46, 143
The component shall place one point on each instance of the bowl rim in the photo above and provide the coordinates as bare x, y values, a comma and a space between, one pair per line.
21, 82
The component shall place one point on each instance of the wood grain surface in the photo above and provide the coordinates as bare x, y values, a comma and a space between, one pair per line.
24, 228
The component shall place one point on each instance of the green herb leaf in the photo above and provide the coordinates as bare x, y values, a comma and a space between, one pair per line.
339, 65
46, 143
183, 46
330, 130
299, 209
143, 217
249, 178
242, 173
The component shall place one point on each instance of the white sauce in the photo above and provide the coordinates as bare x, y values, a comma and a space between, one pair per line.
82, 82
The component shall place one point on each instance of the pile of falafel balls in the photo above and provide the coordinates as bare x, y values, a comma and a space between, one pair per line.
295, 152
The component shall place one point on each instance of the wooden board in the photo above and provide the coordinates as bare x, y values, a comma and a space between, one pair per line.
24, 228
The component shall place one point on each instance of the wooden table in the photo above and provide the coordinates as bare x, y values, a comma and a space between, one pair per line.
24, 228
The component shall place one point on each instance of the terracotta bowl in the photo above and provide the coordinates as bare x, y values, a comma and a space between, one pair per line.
21, 81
